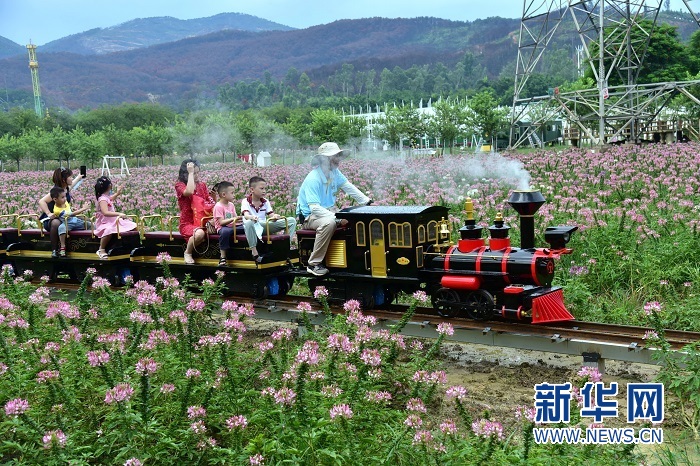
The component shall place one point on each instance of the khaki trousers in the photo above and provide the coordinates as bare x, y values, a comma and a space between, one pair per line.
325, 227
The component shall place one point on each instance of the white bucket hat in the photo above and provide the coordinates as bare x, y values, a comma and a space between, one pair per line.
329, 149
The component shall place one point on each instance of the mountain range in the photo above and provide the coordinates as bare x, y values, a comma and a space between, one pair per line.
170, 59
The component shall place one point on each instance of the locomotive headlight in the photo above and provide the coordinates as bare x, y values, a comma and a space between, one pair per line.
557, 237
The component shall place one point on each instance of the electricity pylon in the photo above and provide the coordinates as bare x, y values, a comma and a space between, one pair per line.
624, 28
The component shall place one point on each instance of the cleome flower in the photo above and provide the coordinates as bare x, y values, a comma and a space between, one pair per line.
341, 411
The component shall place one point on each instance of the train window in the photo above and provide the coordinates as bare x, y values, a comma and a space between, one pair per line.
419, 257
406, 227
432, 230
376, 235
421, 234
360, 234
400, 235
393, 235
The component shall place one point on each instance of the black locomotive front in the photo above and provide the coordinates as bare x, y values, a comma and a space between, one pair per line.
482, 281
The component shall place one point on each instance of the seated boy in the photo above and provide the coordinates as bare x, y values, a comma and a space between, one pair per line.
257, 214
225, 215
61, 210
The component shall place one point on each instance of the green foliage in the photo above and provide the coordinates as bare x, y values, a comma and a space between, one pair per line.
165, 377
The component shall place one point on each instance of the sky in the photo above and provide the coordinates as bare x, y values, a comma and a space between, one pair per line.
42, 21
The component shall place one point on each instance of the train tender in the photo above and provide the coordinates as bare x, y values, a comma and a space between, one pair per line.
382, 251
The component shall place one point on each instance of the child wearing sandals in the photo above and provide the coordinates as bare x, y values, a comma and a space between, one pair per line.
106, 217
62, 210
224, 216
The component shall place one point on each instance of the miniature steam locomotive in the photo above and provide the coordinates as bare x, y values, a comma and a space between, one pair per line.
382, 251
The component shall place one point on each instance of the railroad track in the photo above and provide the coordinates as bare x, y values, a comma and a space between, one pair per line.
579, 331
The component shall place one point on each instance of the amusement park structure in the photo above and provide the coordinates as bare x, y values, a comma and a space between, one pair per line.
34, 68
626, 112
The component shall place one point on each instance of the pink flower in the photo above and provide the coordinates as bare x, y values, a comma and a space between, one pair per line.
320, 292
54, 438
371, 357
652, 307
416, 404
196, 305
591, 374
485, 428
194, 412
133, 462
525, 413
650, 335
146, 366
193, 373
378, 397
16, 407
331, 391
304, 306
422, 436
99, 282
421, 296
97, 358
285, 396
167, 388
140, 317
309, 354
282, 334
445, 329
257, 460
351, 305
414, 421
198, 427
163, 257
43, 376
178, 315
448, 427
457, 391
342, 411
122, 392
236, 422
265, 346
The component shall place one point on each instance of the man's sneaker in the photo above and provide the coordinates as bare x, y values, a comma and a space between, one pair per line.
317, 270
54, 254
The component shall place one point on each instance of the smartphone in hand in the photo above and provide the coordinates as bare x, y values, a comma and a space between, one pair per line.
83, 171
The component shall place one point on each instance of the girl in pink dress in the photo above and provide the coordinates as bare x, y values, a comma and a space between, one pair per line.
106, 217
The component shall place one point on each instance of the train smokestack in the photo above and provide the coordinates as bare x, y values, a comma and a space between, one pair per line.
526, 203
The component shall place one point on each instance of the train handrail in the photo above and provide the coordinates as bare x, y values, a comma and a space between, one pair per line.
142, 231
19, 223
85, 219
136, 217
13, 216
170, 224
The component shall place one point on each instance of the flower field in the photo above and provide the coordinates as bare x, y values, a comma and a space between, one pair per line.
147, 376
636, 209
155, 374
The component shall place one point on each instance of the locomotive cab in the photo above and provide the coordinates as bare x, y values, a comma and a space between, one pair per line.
380, 252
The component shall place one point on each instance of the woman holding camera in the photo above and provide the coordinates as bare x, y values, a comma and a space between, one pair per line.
189, 188
62, 178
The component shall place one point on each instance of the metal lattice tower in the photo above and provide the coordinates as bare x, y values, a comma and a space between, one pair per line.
624, 27
34, 68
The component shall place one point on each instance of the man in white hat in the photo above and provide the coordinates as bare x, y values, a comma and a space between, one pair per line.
316, 201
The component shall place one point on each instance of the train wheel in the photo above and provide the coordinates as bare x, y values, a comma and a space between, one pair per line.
479, 305
446, 301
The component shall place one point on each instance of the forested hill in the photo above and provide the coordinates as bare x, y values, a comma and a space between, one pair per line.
144, 32
450, 55
174, 69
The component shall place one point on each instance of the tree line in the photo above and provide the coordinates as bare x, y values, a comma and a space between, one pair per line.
152, 130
